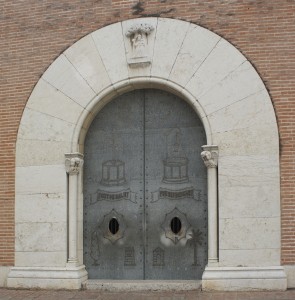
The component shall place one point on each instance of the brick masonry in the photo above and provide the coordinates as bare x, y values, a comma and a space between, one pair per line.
34, 33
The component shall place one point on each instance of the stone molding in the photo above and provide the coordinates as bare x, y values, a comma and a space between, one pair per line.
47, 278
244, 279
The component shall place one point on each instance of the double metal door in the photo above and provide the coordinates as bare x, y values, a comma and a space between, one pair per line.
145, 202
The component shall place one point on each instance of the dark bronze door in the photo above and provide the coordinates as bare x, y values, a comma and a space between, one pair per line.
145, 202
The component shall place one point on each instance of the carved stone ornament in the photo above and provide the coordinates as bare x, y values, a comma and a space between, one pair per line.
74, 163
105, 226
184, 225
138, 35
210, 156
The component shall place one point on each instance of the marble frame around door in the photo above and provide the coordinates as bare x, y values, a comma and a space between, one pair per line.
228, 95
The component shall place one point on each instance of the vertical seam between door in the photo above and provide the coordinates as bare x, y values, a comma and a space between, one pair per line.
144, 193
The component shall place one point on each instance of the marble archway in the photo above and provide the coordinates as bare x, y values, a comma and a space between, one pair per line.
234, 106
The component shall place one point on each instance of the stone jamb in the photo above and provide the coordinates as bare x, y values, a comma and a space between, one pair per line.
210, 158
73, 163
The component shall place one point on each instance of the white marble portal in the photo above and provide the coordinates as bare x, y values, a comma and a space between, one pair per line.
230, 98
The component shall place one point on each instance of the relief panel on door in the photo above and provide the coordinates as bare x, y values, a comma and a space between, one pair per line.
113, 191
145, 202
175, 189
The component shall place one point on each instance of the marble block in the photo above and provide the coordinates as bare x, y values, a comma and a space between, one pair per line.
169, 38
65, 77
110, 45
86, 59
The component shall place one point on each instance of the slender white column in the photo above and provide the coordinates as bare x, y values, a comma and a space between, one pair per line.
74, 162
210, 158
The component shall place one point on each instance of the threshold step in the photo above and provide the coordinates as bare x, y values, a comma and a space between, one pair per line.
142, 285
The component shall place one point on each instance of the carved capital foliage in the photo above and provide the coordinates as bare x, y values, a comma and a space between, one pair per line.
73, 163
210, 156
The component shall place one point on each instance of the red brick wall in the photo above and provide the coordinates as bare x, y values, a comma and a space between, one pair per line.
34, 32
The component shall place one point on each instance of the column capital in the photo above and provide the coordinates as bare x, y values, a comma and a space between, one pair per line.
73, 163
210, 155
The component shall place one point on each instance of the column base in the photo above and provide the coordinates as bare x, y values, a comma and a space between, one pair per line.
244, 279
47, 277
72, 264
213, 262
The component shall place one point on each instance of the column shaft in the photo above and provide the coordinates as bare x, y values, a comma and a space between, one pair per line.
74, 164
210, 158
212, 216
73, 197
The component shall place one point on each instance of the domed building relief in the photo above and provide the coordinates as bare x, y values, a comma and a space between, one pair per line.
175, 183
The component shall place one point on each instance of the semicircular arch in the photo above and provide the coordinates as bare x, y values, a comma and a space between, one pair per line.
193, 63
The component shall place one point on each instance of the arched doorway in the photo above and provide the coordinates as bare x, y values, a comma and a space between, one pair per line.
145, 191
236, 111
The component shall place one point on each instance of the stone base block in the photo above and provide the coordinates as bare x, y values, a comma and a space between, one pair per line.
142, 285
3, 275
290, 271
244, 279
47, 278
